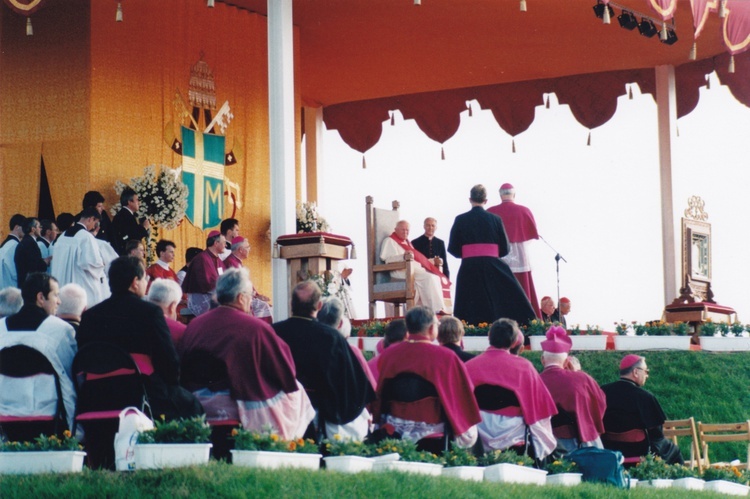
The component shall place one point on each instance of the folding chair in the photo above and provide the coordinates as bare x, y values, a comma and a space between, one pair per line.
564, 425
407, 392
22, 361
730, 432
199, 370
633, 444
684, 428
107, 380
492, 398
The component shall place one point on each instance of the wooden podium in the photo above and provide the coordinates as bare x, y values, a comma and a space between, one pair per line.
310, 253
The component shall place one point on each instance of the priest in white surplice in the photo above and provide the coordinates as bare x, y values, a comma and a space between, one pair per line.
8, 274
430, 286
78, 258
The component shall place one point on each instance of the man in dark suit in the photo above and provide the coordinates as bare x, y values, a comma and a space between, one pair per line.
125, 226
138, 327
28, 256
432, 247
326, 366
96, 200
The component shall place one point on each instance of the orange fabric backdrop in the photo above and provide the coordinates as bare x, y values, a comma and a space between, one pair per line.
94, 96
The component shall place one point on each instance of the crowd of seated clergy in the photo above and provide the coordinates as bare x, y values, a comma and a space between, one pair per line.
300, 376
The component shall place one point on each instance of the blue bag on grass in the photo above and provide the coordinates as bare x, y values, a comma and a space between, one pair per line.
600, 465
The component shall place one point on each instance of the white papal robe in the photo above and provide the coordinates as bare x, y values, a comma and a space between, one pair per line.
78, 259
427, 289
8, 274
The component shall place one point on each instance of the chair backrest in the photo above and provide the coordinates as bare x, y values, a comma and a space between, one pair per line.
632, 443
380, 224
684, 428
107, 380
381, 285
564, 424
493, 397
199, 369
410, 388
22, 361
407, 387
729, 432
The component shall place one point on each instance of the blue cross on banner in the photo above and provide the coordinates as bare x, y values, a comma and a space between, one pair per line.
203, 173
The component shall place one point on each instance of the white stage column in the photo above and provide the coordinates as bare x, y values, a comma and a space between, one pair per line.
281, 131
666, 108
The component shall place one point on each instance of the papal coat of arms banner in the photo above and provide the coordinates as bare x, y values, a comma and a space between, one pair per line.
203, 150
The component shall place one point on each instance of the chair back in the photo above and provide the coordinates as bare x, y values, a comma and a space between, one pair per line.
632, 443
410, 392
729, 432
200, 369
494, 398
685, 428
107, 380
381, 286
564, 424
22, 361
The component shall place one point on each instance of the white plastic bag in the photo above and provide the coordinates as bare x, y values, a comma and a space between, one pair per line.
132, 422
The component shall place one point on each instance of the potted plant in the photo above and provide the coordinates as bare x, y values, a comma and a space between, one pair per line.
536, 331
410, 460
681, 328
463, 464
475, 337
368, 335
347, 455
653, 335
652, 471
726, 480
173, 444
45, 454
590, 339
685, 478
563, 472
267, 450
508, 466
723, 337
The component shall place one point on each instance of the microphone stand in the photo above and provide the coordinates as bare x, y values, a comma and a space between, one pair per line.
558, 257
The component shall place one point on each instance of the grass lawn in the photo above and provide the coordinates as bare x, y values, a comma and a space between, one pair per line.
220, 480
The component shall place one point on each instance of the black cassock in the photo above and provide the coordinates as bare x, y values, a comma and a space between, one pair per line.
326, 366
486, 289
629, 407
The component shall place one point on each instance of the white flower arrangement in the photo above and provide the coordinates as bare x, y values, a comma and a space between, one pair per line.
308, 219
162, 194
330, 283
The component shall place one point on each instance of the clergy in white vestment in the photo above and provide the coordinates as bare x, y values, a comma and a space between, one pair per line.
8, 273
78, 259
109, 254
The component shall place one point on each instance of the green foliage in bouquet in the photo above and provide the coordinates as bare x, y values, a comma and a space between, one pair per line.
177, 431
272, 442
43, 443
407, 450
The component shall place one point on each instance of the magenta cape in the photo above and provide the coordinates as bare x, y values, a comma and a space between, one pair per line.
259, 363
499, 368
578, 393
232, 262
518, 221
443, 369
202, 273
